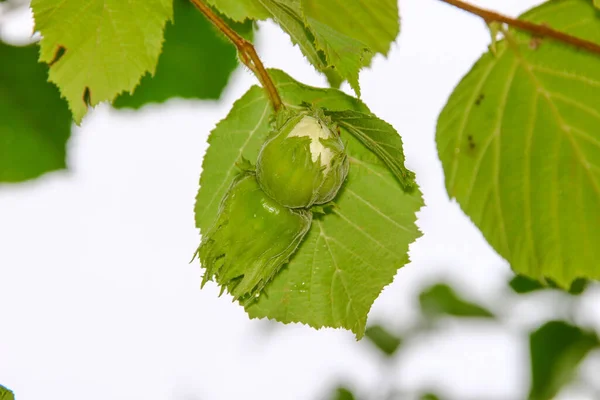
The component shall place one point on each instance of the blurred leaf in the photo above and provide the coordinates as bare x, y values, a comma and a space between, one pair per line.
556, 349
342, 393
196, 61
6, 394
522, 284
441, 299
35, 123
430, 396
383, 339
578, 286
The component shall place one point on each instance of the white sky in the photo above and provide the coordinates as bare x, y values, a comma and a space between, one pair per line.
98, 300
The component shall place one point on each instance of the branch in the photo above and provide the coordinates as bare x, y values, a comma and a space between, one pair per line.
246, 51
538, 30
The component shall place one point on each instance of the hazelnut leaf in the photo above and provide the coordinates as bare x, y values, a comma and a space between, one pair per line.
520, 146
350, 253
104, 51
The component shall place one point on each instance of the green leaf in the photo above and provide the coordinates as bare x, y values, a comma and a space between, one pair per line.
557, 348
196, 62
35, 122
383, 339
520, 146
6, 394
343, 53
288, 14
440, 299
597, 3
578, 286
350, 254
99, 48
430, 396
349, 32
379, 137
338, 37
495, 29
239, 10
375, 23
333, 78
522, 285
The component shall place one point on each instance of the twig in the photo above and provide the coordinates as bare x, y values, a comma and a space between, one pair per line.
246, 51
536, 29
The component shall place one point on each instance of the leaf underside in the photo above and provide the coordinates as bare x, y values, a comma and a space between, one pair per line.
350, 32
520, 146
351, 253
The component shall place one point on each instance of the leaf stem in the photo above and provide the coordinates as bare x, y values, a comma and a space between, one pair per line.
246, 52
536, 29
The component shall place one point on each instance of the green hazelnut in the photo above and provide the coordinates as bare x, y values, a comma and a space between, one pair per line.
252, 238
303, 163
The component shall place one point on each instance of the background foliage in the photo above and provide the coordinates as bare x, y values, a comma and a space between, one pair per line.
556, 347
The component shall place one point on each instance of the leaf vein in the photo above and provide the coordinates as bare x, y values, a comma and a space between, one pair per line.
371, 206
466, 114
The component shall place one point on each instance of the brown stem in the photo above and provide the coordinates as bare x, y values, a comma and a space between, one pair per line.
246, 51
539, 30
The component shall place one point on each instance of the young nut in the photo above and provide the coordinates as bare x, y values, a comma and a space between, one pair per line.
303, 163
